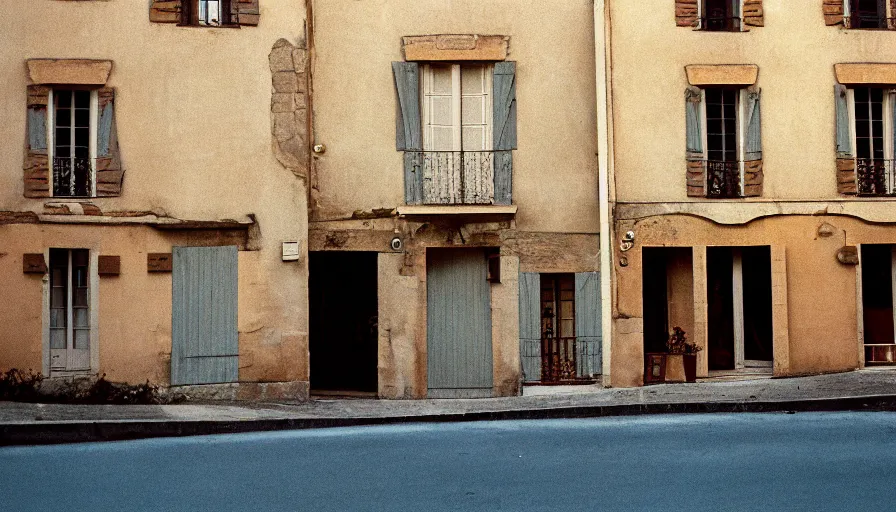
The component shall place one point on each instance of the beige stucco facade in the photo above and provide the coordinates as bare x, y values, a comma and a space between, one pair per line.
358, 184
803, 219
193, 109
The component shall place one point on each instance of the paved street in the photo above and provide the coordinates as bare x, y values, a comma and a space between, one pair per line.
810, 461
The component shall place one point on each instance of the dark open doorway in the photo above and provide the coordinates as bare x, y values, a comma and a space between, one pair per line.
343, 321
877, 303
739, 309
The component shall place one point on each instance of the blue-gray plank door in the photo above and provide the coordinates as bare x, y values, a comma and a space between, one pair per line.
204, 341
458, 324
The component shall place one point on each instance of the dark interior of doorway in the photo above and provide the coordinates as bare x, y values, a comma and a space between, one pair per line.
656, 312
757, 305
877, 293
343, 321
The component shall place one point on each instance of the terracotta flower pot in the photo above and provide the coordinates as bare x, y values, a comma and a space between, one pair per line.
675, 368
690, 367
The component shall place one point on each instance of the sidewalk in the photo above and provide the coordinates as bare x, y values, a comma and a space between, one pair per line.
22, 423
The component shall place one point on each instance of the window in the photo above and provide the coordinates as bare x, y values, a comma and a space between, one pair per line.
456, 124
872, 131
211, 12
867, 14
724, 142
720, 15
73, 122
205, 13
69, 310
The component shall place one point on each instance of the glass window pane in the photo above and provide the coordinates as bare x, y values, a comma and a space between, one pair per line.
82, 99
82, 339
82, 117
81, 317
63, 117
474, 138
80, 257
473, 110
57, 317
63, 136
80, 297
472, 79
57, 338
442, 139
82, 137
57, 297
440, 113
63, 98
441, 79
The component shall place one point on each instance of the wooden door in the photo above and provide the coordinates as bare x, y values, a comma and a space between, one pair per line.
204, 341
459, 326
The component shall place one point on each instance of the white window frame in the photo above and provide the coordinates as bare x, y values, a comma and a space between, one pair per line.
51, 138
741, 130
93, 300
457, 106
887, 108
204, 22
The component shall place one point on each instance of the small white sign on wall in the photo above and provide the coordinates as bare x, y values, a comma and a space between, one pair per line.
290, 251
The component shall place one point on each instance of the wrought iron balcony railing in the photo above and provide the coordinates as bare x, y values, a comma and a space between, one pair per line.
875, 177
460, 177
723, 179
73, 176
864, 21
720, 23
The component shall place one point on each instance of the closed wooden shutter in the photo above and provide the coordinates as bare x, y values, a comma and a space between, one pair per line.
37, 164
530, 326
165, 11
846, 165
408, 131
833, 12
244, 12
696, 166
753, 15
753, 176
686, 13
589, 348
504, 131
109, 172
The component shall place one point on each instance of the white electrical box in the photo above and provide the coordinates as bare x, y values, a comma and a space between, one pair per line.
290, 251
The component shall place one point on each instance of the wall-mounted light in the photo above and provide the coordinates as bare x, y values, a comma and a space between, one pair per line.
628, 241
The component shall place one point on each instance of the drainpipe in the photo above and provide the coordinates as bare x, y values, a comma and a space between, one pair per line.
606, 190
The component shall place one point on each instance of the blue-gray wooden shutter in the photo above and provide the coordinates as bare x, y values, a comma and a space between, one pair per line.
109, 172
892, 95
694, 120
844, 139
408, 130
530, 326
204, 339
504, 129
695, 175
753, 142
588, 325
36, 165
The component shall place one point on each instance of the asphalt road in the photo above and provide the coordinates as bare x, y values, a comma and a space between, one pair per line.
811, 461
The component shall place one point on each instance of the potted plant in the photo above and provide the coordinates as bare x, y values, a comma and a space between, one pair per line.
681, 363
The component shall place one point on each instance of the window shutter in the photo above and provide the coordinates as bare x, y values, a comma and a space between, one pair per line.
686, 13
530, 325
846, 165
753, 14
165, 11
753, 176
109, 173
833, 12
504, 129
696, 171
588, 324
408, 131
37, 164
244, 12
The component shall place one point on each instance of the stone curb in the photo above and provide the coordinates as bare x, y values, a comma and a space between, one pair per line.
42, 433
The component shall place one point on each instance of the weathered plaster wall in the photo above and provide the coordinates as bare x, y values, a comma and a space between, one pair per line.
135, 307
555, 168
795, 53
194, 118
398, 353
815, 302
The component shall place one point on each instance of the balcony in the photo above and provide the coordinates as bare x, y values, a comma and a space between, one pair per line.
723, 179
875, 177
869, 21
720, 23
458, 182
73, 176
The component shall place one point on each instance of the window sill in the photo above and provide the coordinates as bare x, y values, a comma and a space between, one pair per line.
453, 211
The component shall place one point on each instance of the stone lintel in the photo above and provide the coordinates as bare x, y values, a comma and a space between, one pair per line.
865, 73
722, 74
455, 47
69, 71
